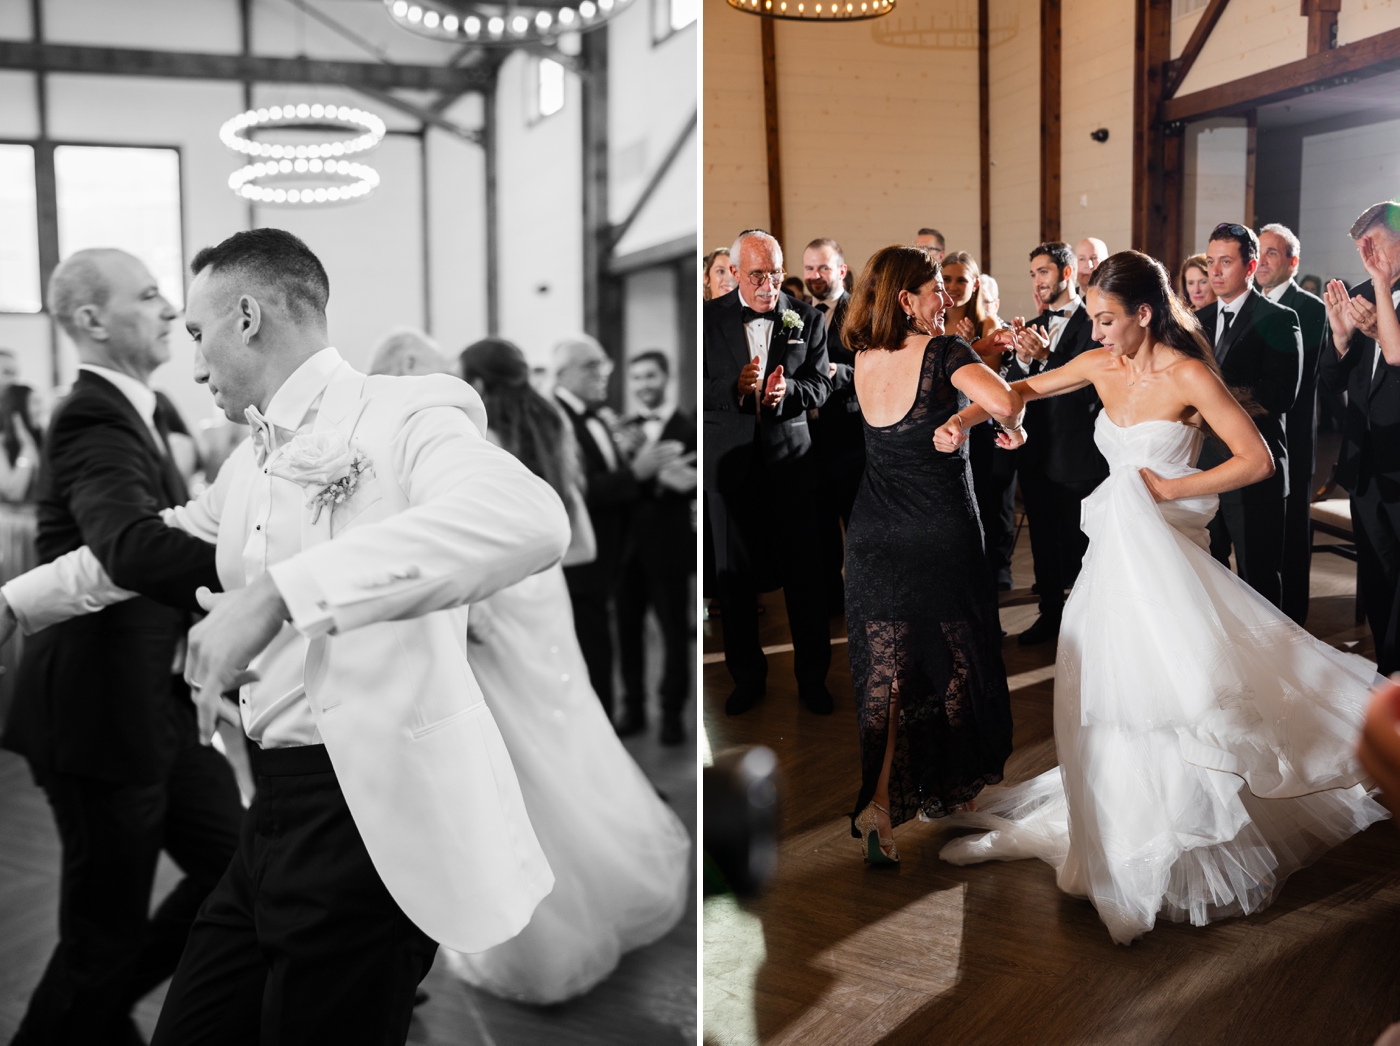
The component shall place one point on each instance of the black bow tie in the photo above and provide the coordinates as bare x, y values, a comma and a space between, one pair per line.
749, 314
1057, 312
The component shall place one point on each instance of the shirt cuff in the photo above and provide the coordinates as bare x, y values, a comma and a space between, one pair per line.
14, 593
307, 604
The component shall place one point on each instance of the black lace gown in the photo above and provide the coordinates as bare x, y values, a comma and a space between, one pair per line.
921, 609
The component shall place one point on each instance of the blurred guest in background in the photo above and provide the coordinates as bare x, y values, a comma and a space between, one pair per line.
794, 289
967, 317
1088, 253
1311, 284
716, 280
838, 437
409, 351
1193, 283
933, 240
990, 291
1278, 261
581, 373
22, 437
184, 451
657, 565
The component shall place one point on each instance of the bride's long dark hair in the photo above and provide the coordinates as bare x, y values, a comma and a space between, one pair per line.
1136, 279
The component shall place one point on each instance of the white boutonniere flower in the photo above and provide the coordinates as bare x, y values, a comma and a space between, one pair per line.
792, 321
324, 465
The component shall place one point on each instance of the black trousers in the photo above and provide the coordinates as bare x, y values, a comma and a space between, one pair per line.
1297, 548
660, 579
1057, 542
838, 463
994, 485
772, 541
300, 942
593, 609
1376, 523
111, 949
1255, 530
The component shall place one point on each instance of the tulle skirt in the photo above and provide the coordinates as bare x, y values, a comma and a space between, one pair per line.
620, 856
1206, 742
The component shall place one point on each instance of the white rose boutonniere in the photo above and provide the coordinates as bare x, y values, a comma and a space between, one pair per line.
324, 465
792, 321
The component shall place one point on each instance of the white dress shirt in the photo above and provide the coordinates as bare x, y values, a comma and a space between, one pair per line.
759, 333
1278, 292
654, 421
1056, 327
593, 424
1233, 308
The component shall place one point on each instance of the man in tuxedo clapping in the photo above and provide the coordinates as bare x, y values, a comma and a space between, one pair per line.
1259, 346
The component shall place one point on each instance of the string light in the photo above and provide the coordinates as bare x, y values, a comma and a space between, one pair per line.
320, 162
836, 12
313, 117
352, 181
502, 22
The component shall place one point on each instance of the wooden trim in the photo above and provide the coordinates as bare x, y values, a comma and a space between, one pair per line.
1251, 151
1152, 46
1172, 253
770, 126
1181, 66
666, 252
984, 129
123, 61
1049, 120
1322, 23
1368, 57
490, 161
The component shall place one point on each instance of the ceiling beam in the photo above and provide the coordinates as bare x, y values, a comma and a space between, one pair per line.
1346, 64
427, 116
123, 61
1178, 68
619, 230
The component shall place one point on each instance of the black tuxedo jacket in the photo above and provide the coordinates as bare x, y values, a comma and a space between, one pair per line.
730, 426
1301, 425
842, 399
661, 519
1063, 426
1371, 434
94, 695
1263, 355
609, 496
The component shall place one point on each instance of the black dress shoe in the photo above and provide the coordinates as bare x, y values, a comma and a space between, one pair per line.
672, 731
1044, 630
743, 697
817, 700
633, 721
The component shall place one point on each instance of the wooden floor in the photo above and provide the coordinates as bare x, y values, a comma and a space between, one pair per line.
837, 952
650, 999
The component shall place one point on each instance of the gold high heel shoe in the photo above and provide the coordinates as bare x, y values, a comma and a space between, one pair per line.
875, 849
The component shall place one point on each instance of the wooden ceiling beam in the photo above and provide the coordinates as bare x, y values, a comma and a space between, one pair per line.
1178, 68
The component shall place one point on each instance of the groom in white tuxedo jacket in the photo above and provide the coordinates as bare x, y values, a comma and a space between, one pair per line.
350, 532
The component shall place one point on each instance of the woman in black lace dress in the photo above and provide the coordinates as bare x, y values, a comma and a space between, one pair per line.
921, 605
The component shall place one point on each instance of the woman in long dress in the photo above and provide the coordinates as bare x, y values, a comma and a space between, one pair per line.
921, 606
1206, 742
620, 856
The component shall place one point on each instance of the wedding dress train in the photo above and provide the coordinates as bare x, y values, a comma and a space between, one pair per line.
1206, 742
620, 856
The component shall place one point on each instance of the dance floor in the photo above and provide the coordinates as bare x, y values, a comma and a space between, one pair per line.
650, 999
837, 952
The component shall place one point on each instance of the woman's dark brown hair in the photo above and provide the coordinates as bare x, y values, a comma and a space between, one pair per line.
1135, 280
875, 319
526, 423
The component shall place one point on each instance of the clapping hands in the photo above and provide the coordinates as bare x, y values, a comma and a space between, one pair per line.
1031, 343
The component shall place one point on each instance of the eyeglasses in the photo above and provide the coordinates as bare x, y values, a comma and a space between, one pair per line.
758, 278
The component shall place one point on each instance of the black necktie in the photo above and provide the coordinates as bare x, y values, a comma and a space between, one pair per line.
1224, 330
749, 314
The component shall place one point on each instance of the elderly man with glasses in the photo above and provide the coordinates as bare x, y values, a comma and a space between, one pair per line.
765, 367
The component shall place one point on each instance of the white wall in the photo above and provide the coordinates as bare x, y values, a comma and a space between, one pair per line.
1344, 172
1213, 181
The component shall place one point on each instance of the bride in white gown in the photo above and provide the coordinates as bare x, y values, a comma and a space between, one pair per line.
1207, 744
620, 856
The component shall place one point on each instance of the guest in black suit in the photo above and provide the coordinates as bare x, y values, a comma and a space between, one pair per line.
765, 368
1278, 264
106, 725
660, 556
1059, 466
1259, 346
838, 432
1354, 361
581, 375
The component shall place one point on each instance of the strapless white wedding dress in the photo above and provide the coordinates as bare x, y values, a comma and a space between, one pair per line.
1206, 742
620, 855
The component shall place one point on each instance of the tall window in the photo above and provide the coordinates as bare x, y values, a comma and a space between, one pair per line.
19, 231
671, 16
123, 197
551, 87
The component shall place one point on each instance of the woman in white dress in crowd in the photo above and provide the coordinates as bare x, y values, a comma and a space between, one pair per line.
1207, 744
620, 856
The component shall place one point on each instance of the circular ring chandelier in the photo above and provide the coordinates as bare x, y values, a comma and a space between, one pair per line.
308, 162
820, 11
505, 23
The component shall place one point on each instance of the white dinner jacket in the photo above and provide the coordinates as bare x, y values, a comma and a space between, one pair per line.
381, 587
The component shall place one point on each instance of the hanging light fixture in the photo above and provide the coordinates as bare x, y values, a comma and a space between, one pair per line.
507, 23
818, 11
319, 172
